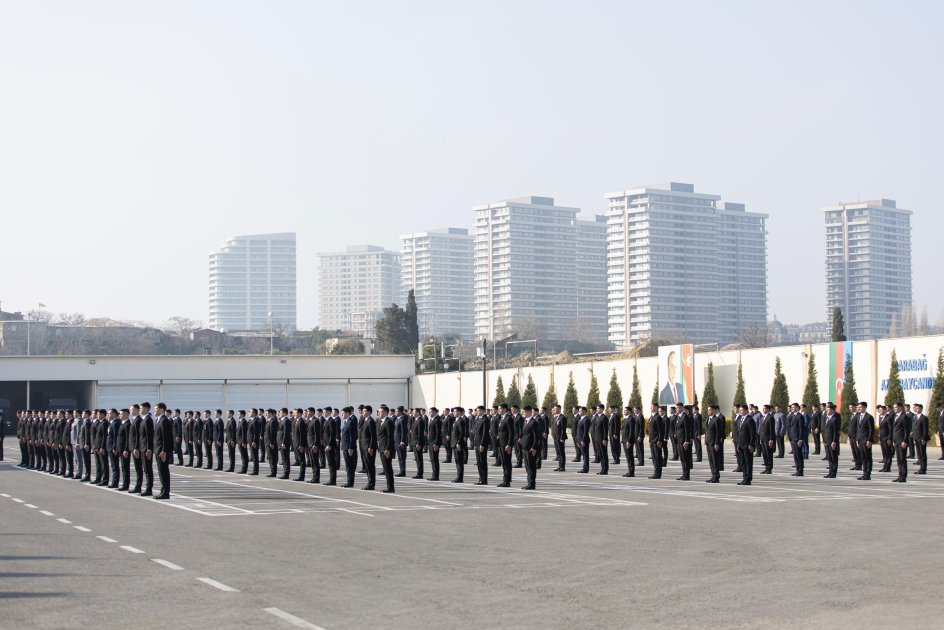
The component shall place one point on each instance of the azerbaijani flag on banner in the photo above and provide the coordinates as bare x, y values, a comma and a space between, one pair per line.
687, 350
839, 352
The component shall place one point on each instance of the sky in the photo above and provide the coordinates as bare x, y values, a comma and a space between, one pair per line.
136, 137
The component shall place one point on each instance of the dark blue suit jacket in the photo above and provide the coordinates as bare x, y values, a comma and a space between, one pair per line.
349, 433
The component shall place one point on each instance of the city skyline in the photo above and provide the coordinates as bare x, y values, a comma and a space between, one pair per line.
123, 172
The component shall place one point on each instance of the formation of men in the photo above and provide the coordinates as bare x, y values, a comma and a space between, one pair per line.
68, 443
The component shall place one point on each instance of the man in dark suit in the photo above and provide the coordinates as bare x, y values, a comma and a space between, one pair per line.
178, 427
671, 420
258, 442
330, 437
736, 421
146, 446
418, 437
699, 432
911, 444
744, 442
684, 436
816, 427
242, 441
434, 436
559, 437
598, 434
401, 436
188, 438
315, 423
799, 431
940, 428
123, 445
657, 429
922, 435
640, 436
506, 439
481, 441
218, 438
300, 442
386, 444
530, 443
853, 437
284, 441
271, 440
459, 437
199, 424
348, 442
518, 424
613, 430
768, 439
448, 419
575, 416
229, 436
885, 436
368, 443
114, 457
900, 440
864, 439
831, 427
672, 393
493, 421
136, 454
713, 443
628, 439
164, 449
582, 439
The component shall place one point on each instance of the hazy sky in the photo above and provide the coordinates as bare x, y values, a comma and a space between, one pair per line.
135, 137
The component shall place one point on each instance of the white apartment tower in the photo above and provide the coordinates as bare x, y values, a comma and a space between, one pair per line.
437, 266
683, 265
868, 265
591, 278
354, 286
250, 277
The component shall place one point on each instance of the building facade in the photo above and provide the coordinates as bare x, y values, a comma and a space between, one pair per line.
868, 265
253, 284
683, 265
591, 279
437, 266
355, 286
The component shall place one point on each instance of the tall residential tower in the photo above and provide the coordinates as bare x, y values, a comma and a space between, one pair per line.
354, 286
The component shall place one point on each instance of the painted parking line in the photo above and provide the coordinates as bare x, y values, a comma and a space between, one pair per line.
46, 513
107, 539
82, 529
169, 565
298, 622
218, 585
64, 521
131, 549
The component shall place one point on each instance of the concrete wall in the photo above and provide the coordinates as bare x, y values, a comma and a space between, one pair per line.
871, 363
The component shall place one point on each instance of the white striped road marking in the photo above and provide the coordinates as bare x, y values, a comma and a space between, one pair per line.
46, 513
18, 500
4, 495
298, 622
354, 512
219, 585
131, 549
107, 539
169, 565
62, 520
30, 505
81, 529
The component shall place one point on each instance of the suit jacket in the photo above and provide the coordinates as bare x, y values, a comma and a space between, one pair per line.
315, 431
900, 428
229, 434
300, 433
517, 424
768, 427
435, 431
684, 428
816, 420
666, 397
885, 426
122, 443
480, 431
401, 429
218, 429
745, 433
164, 437
368, 437
920, 428
112, 440
699, 425
460, 431
657, 429
854, 425
559, 427
629, 431
831, 426
598, 428
448, 421
207, 434
493, 421
506, 431
329, 433
530, 433
385, 437
146, 434
271, 432
177, 425
613, 425
284, 433
713, 431
349, 433
866, 432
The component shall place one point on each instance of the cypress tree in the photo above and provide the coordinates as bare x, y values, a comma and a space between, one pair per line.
937, 395
839, 326
550, 398
811, 393
499, 393
530, 396
614, 397
570, 398
513, 397
740, 398
779, 393
593, 398
710, 396
849, 395
895, 393
635, 398
655, 394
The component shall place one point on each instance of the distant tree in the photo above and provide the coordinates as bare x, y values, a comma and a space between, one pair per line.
811, 394
923, 327
70, 319
570, 397
593, 397
530, 395
614, 397
550, 398
937, 395
893, 327
348, 346
779, 393
393, 333
635, 397
499, 393
180, 326
710, 396
412, 322
655, 394
754, 336
839, 326
514, 394
740, 398
895, 393
908, 321
849, 395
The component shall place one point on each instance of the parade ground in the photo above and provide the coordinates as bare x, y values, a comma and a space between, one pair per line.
581, 551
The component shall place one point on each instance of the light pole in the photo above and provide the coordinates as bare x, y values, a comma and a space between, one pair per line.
484, 372
28, 318
271, 336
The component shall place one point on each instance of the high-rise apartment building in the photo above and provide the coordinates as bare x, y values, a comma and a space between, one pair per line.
354, 286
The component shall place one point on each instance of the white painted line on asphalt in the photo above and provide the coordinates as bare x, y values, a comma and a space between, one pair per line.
62, 520
4, 495
81, 529
30, 505
18, 500
107, 539
354, 512
298, 622
219, 585
131, 549
46, 513
169, 565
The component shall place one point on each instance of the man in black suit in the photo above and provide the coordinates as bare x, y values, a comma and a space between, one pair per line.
348, 444
900, 440
315, 423
816, 427
582, 439
885, 436
713, 443
114, 457
178, 427
199, 424
628, 439
418, 437
401, 437
518, 424
745, 443
657, 429
258, 444
242, 441
448, 419
386, 444
188, 438
640, 436
219, 431
284, 441
459, 437
799, 434
685, 436
940, 428
271, 434
575, 415
136, 454
481, 441
300, 442
613, 428
922, 435
123, 445
598, 434
530, 443
506, 440
831, 427
864, 438
559, 436
736, 421
671, 420
164, 449
329, 440
229, 436
911, 443
493, 421
699, 432
146, 446
768, 439
434, 437
368, 443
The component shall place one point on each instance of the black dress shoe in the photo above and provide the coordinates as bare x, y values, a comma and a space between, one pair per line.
481, 483
147, 493
503, 485
346, 485
330, 483
602, 472
362, 470
433, 479
744, 483
456, 481
162, 497
400, 475
628, 475
582, 472
417, 477
655, 477
737, 470
284, 477
367, 488
388, 490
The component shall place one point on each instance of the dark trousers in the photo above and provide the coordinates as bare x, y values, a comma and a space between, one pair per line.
816, 441
302, 461
273, 455
232, 458
125, 472
855, 454
179, 452
833, 459
286, 462
747, 465
148, 466
518, 455
506, 466
98, 466
685, 456
531, 466
657, 455
675, 448
560, 455
401, 458
901, 457
911, 447
198, 447
698, 447
780, 445
887, 453
460, 464
866, 454
163, 473
219, 455
418, 460
106, 468
209, 454
798, 460
189, 453
713, 461
604, 457
332, 465
740, 459
448, 446
254, 456
315, 465
243, 459
115, 472
481, 462
370, 467
641, 452
24, 453
69, 463
615, 449
584, 454
387, 464
433, 462
350, 463
767, 453
630, 460
138, 473
922, 448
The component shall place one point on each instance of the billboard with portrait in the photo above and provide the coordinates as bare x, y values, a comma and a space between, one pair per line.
677, 374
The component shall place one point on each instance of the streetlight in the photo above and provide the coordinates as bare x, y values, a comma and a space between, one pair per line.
28, 318
271, 335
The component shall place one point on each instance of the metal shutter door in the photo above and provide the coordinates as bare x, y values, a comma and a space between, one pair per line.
317, 394
123, 394
375, 393
194, 395
255, 395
